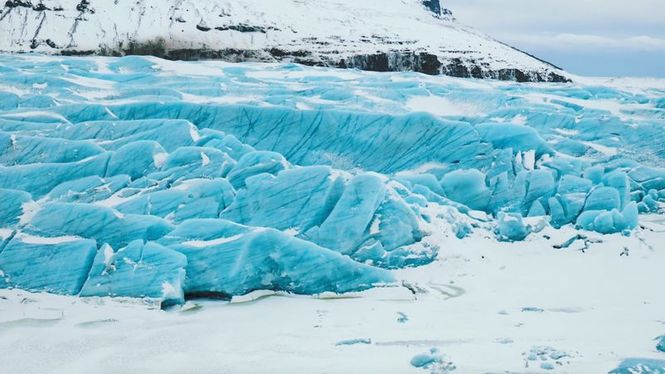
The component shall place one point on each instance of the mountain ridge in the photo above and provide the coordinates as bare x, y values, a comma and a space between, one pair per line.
412, 35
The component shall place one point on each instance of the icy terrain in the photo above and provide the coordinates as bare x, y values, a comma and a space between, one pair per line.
487, 306
386, 35
519, 222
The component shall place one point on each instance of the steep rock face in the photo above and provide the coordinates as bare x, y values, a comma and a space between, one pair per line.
435, 7
394, 35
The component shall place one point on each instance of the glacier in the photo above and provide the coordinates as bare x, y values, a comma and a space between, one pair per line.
141, 177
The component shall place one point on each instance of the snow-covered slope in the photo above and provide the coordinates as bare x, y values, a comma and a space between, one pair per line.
387, 35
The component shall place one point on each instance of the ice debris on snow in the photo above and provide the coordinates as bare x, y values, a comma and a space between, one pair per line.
53, 265
547, 358
640, 366
661, 343
532, 309
354, 341
121, 178
511, 227
433, 361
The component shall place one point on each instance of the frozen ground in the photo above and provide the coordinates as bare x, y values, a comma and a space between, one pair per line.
484, 305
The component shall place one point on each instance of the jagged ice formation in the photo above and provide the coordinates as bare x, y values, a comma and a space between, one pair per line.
142, 177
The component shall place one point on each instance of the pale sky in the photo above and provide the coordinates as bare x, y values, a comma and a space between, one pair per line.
589, 37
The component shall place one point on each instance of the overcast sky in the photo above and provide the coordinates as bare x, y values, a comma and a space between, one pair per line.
590, 37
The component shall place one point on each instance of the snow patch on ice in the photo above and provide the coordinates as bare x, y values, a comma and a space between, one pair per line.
30, 209
159, 159
5, 233
32, 239
205, 160
441, 106
213, 242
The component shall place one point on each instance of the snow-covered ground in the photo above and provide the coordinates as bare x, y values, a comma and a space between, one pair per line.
484, 305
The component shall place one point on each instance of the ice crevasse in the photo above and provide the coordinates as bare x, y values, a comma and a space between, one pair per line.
144, 178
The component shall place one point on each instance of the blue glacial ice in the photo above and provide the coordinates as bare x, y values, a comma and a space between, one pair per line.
434, 362
139, 177
231, 259
640, 365
58, 265
138, 270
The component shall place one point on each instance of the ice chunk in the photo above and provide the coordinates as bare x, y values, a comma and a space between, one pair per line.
195, 162
537, 210
541, 185
558, 212
354, 341
426, 359
433, 361
511, 227
395, 224
572, 204
630, 216
11, 206
661, 344
608, 222
8, 101
105, 225
231, 259
508, 193
648, 178
649, 203
135, 159
620, 181
22, 150
228, 144
467, 187
348, 224
138, 270
194, 198
516, 137
253, 163
57, 264
92, 189
595, 174
425, 180
298, 198
548, 357
603, 198
39, 179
